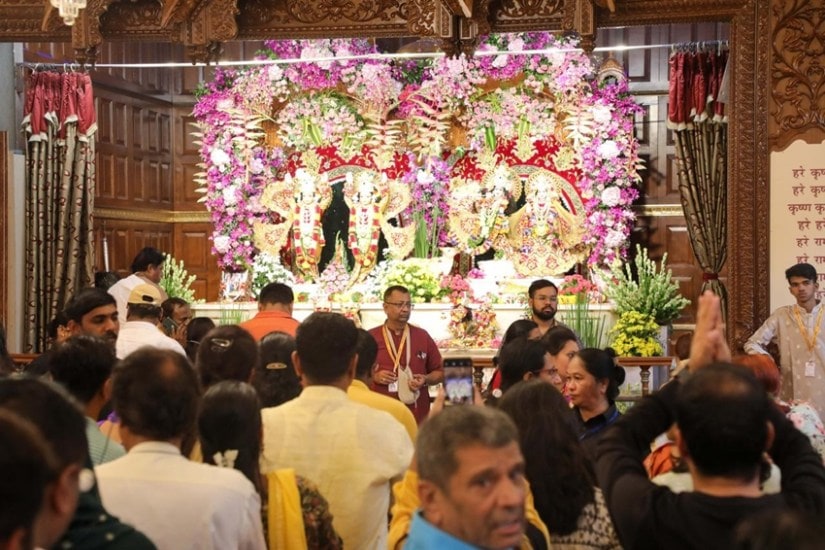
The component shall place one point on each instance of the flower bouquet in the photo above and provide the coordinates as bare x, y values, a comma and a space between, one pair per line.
652, 292
268, 269
577, 292
422, 283
636, 335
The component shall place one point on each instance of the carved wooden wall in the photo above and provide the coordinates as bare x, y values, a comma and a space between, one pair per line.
798, 85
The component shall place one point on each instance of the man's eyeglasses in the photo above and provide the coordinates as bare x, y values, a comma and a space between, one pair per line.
401, 305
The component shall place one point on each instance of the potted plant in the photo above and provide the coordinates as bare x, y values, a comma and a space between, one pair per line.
636, 335
652, 291
576, 293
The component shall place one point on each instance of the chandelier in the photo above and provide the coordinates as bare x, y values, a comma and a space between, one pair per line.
68, 9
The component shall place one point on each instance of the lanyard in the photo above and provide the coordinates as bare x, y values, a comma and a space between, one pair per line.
810, 342
393, 352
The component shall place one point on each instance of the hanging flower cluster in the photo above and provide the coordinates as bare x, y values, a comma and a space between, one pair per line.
252, 119
429, 187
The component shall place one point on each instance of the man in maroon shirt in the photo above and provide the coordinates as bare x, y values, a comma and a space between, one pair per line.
401, 345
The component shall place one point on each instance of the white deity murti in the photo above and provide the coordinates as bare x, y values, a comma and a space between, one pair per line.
366, 195
301, 201
545, 236
477, 219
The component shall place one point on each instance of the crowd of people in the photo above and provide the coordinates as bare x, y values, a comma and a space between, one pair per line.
143, 427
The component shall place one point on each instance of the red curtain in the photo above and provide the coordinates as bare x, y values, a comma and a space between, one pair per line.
698, 120
60, 126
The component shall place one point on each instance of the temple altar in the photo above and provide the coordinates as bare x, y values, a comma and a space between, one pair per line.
432, 316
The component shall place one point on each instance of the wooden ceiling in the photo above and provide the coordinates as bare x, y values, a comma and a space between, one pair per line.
202, 25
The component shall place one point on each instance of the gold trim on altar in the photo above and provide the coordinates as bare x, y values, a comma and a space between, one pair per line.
153, 216
659, 210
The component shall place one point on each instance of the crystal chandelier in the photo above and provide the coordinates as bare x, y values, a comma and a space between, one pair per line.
68, 9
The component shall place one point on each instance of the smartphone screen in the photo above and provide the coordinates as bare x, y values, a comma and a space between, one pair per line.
458, 380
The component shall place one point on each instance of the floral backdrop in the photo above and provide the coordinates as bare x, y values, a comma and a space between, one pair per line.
433, 124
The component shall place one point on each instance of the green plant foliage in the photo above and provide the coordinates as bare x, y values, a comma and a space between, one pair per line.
652, 291
176, 281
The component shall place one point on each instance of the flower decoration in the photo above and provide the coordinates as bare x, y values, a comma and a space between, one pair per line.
268, 269
635, 335
429, 185
419, 280
578, 288
251, 119
652, 291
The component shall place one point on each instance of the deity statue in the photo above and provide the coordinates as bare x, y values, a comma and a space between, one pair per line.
545, 236
373, 200
301, 201
477, 209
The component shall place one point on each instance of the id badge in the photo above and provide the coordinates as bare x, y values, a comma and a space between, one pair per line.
810, 369
393, 387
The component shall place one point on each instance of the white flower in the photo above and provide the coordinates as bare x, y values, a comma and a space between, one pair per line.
608, 150
602, 114
256, 166
500, 61
611, 196
315, 52
275, 73
516, 45
230, 197
219, 157
614, 239
221, 243
225, 104
424, 176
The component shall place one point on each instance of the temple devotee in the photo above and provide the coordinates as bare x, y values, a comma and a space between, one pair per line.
725, 423
350, 451
797, 330
408, 358
178, 503
471, 482
71, 515
94, 312
360, 391
176, 316
543, 299
142, 323
27, 466
593, 381
275, 303
83, 365
146, 269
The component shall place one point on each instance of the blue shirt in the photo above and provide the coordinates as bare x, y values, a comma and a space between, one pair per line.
426, 536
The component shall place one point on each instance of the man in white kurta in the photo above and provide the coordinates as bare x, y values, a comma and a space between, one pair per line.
798, 332
176, 502
350, 451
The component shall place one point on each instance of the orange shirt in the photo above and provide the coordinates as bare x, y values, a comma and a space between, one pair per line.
269, 321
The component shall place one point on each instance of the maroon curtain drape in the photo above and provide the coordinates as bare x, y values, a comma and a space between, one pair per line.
60, 126
698, 120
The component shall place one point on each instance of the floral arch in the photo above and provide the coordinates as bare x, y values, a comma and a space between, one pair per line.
517, 148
